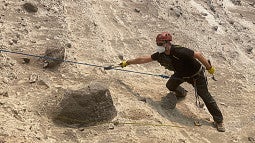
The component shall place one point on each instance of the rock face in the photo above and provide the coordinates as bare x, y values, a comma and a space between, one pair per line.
85, 107
106, 32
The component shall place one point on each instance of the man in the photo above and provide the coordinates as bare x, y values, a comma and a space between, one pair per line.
187, 67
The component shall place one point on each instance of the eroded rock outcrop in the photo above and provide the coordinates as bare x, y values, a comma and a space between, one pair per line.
85, 107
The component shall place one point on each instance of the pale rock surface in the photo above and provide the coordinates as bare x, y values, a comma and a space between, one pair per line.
104, 32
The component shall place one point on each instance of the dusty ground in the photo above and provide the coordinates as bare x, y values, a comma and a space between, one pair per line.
104, 32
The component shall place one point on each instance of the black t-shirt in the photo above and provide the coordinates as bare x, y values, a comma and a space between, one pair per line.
181, 60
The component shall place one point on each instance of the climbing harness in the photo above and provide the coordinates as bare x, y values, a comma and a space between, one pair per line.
198, 103
193, 77
197, 73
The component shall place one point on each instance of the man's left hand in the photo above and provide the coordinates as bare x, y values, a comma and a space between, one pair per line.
211, 70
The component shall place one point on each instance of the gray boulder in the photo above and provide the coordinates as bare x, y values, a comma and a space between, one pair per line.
86, 107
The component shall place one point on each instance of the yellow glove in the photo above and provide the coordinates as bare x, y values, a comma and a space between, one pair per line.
123, 64
211, 70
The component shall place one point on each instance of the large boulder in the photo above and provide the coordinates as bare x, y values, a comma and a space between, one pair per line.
85, 107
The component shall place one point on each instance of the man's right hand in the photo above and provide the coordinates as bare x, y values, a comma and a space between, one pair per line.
123, 64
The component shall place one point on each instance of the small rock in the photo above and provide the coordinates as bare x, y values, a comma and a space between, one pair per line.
223, 104
249, 50
252, 4
10, 42
231, 22
95, 24
207, 119
33, 78
43, 83
18, 10
18, 35
251, 139
178, 11
16, 115
143, 99
29, 7
25, 60
45, 64
5, 80
116, 123
4, 94
32, 41
37, 26
81, 129
137, 10
212, 9
182, 141
111, 126
236, 2
23, 23
120, 57
69, 45
204, 14
197, 123
55, 56
215, 28
201, 105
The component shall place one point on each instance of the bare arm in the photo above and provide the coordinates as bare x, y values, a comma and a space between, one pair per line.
202, 59
140, 60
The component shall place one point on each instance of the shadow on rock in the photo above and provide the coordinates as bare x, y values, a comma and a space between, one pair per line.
167, 109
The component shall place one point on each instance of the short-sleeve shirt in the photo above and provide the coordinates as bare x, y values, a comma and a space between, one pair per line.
181, 60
